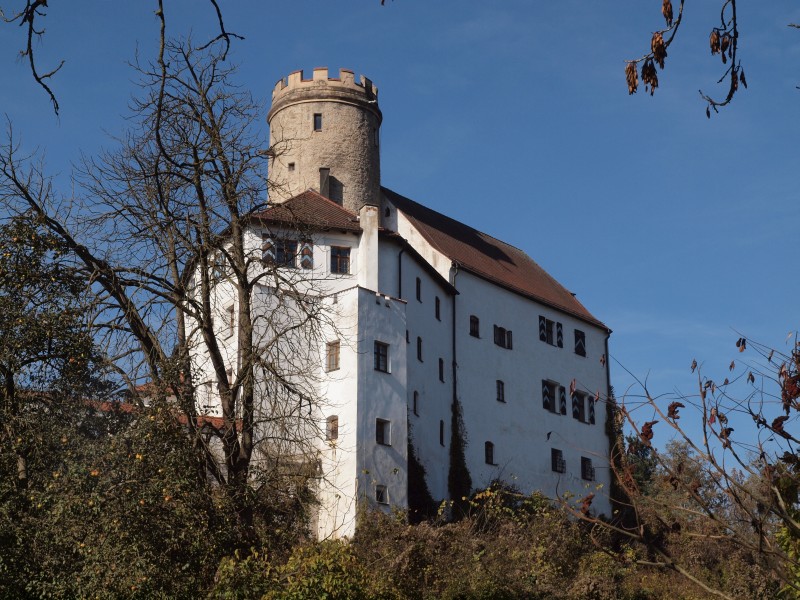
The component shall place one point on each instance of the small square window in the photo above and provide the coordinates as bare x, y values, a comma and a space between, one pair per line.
501, 391
474, 326
291, 166
383, 432
317, 121
340, 260
381, 494
488, 453
381, 353
332, 428
438, 308
557, 461
441, 370
332, 356
587, 470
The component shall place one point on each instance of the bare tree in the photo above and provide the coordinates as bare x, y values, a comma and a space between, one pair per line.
162, 232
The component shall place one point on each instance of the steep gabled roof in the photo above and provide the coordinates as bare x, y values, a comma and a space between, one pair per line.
310, 210
489, 258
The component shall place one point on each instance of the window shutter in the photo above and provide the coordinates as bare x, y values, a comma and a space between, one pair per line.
543, 329
563, 400
591, 410
268, 251
559, 335
307, 255
576, 413
546, 400
508, 339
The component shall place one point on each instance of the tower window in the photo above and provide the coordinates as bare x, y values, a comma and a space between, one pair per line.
332, 428
381, 357
291, 166
488, 453
317, 121
383, 432
474, 326
501, 391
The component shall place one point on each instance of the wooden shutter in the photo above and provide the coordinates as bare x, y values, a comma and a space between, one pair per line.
559, 335
543, 329
268, 251
563, 400
307, 255
546, 400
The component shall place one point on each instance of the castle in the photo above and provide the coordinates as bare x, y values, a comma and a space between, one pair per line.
451, 358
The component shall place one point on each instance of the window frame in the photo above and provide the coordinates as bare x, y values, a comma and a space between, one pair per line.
383, 432
332, 356
587, 469
340, 257
332, 428
488, 453
317, 122
381, 494
381, 357
580, 343
500, 386
557, 462
474, 326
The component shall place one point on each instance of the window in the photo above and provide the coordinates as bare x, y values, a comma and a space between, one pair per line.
383, 432
291, 166
579, 406
438, 310
408, 337
587, 470
377, 136
230, 320
554, 397
419, 290
488, 453
332, 356
229, 375
381, 494
332, 428
551, 332
419, 349
415, 405
382, 357
317, 121
580, 343
340, 260
502, 337
474, 326
441, 433
278, 252
441, 370
501, 391
557, 461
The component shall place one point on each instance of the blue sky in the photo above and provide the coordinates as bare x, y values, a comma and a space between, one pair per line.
514, 117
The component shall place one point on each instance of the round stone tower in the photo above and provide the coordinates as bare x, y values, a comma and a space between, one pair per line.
325, 135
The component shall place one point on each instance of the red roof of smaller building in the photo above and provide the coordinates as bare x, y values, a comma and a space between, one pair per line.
490, 258
310, 210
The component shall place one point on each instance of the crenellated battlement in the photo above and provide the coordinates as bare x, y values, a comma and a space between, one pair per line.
321, 83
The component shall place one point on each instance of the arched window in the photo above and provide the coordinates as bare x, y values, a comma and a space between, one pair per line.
488, 450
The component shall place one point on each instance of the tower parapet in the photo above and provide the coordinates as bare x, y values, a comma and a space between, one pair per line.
324, 133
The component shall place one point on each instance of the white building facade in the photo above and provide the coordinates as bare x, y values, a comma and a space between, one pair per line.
450, 359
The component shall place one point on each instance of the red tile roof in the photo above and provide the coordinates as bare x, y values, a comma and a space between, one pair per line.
311, 210
489, 258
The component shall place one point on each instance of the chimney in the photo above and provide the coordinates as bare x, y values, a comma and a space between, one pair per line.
368, 248
324, 182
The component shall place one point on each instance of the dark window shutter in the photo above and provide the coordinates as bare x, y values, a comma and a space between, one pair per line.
268, 251
563, 400
546, 400
307, 255
508, 339
543, 329
559, 335
591, 410
576, 412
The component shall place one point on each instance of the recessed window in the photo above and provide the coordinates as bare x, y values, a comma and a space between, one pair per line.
438, 308
317, 121
340, 260
501, 391
230, 320
381, 494
474, 326
587, 470
557, 463
419, 290
291, 166
415, 403
332, 428
580, 343
441, 370
383, 432
488, 453
381, 355
419, 349
551, 332
502, 337
332, 356
554, 397
441, 432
